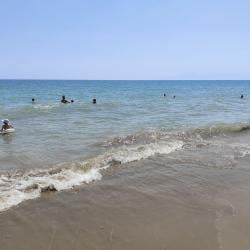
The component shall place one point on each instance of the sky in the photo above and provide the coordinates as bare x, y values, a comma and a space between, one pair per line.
132, 39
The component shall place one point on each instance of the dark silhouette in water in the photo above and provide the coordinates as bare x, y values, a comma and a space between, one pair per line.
64, 99
6, 125
164, 95
72, 101
174, 96
242, 96
33, 100
94, 101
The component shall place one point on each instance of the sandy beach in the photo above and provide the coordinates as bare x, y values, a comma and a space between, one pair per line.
124, 125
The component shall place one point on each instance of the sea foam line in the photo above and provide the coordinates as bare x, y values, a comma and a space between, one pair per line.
16, 188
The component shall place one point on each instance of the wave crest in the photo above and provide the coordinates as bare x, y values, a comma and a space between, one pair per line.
20, 186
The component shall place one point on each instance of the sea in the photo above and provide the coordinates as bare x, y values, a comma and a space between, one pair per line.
67, 146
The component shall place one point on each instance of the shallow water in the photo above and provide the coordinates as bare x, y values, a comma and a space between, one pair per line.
137, 170
196, 197
66, 145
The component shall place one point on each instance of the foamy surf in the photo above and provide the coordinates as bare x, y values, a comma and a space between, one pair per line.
18, 187
45, 107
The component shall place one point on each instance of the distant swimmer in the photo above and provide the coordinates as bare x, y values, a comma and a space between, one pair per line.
33, 100
174, 96
94, 101
242, 96
6, 125
64, 99
165, 95
72, 101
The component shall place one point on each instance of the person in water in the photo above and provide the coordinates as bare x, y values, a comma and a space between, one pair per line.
6, 125
33, 100
64, 100
94, 101
242, 96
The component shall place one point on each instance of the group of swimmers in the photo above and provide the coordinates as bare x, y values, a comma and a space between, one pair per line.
241, 97
7, 125
64, 100
166, 95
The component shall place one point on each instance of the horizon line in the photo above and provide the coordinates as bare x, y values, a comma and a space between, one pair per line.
65, 79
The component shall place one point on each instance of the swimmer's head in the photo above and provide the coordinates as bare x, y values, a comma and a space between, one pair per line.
5, 121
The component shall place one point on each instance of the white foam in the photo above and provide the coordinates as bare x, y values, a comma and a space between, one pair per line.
129, 154
45, 107
243, 148
13, 197
17, 188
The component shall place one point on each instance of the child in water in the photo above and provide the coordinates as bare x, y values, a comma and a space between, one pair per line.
6, 125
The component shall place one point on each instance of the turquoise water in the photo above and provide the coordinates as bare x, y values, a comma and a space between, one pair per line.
47, 128
132, 120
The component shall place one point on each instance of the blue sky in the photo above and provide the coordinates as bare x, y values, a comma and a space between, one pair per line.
78, 39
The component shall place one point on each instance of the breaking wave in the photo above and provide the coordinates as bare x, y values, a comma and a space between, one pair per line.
16, 187
221, 129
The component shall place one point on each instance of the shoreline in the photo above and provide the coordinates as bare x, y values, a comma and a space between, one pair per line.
135, 208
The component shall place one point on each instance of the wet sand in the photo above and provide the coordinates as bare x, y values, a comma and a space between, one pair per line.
164, 202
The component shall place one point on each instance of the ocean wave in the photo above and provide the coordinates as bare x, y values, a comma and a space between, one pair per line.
143, 137
17, 187
185, 135
219, 129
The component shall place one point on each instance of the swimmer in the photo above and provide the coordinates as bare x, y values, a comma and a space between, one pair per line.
242, 96
164, 95
64, 99
94, 101
6, 125
72, 101
33, 100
